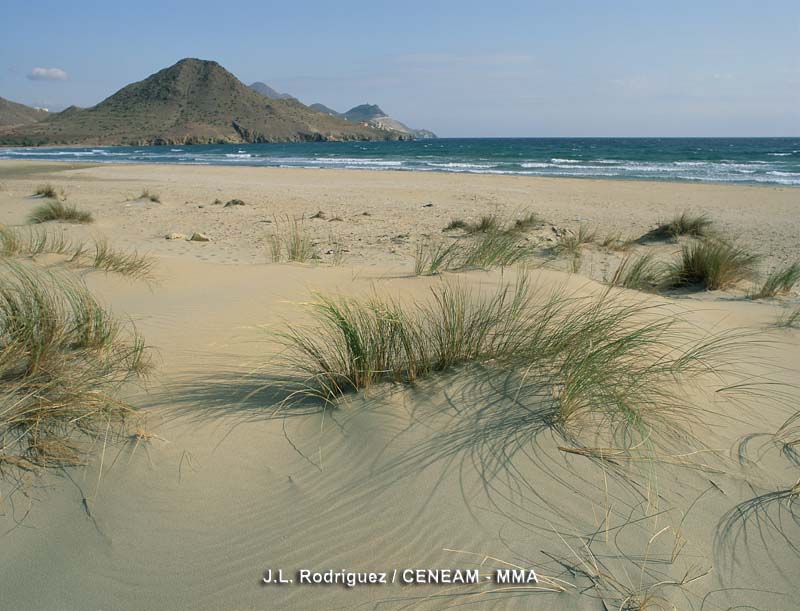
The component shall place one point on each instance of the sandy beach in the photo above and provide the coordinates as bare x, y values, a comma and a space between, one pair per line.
227, 485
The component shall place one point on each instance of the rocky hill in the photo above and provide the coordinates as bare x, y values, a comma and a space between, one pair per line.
192, 102
13, 114
268, 91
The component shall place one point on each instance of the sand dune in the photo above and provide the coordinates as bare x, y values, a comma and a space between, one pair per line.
400, 476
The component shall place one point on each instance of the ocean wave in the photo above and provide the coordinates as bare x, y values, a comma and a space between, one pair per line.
560, 160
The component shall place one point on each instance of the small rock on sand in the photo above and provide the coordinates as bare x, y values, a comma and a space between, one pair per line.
175, 236
199, 237
234, 202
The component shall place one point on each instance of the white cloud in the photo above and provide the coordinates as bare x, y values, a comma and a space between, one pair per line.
47, 74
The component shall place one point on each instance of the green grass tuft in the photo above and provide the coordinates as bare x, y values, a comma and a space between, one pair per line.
481, 251
779, 281
57, 211
641, 273
712, 264
527, 222
577, 361
487, 224
456, 224
290, 241
130, 264
685, 224
48, 191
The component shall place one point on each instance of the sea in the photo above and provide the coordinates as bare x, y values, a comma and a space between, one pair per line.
766, 161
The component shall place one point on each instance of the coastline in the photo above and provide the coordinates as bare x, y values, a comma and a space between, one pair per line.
395, 202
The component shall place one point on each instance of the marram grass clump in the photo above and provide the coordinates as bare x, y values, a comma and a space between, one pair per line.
58, 211
290, 241
601, 361
63, 358
33, 241
639, 272
712, 264
684, 224
779, 281
47, 191
482, 250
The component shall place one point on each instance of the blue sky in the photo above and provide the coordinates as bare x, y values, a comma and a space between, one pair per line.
501, 68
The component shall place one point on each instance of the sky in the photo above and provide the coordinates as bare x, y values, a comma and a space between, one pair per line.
460, 68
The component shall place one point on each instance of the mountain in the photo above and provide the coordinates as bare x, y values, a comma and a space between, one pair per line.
364, 112
192, 102
322, 108
268, 91
372, 115
13, 114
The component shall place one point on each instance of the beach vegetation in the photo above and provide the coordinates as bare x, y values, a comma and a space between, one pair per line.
527, 222
790, 319
63, 359
779, 281
599, 360
486, 224
150, 196
290, 241
456, 224
711, 264
641, 273
684, 224
481, 251
58, 211
107, 258
47, 191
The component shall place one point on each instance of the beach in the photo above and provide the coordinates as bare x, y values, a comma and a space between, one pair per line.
227, 484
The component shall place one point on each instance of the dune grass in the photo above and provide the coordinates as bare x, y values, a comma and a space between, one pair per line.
712, 264
527, 222
790, 319
569, 244
63, 358
481, 251
131, 264
290, 241
150, 196
456, 224
57, 211
47, 190
684, 224
33, 241
489, 223
779, 282
598, 361
434, 256
641, 273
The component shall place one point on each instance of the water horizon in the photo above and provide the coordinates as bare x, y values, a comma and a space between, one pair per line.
731, 160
